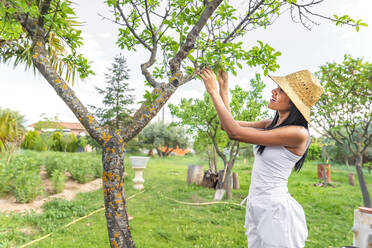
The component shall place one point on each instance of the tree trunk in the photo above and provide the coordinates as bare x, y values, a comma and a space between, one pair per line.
362, 183
236, 184
114, 195
228, 182
214, 160
346, 159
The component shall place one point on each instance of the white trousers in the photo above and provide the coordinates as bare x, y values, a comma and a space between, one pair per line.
275, 221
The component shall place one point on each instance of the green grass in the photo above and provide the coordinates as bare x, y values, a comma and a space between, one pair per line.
160, 222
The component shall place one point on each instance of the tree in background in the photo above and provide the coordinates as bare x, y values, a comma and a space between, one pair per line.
116, 98
43, 35
11, 129
164, 138
343, 112
199, 115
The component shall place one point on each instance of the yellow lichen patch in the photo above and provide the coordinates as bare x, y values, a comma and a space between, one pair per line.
107, 149
64, 86
90, 117
117, 202
109, 214
118, 195
116, 234
39, 44
110, 204
117, 215
109, 175
113, 150
118, 178
58, 81
35, 55
114, 243
106, 137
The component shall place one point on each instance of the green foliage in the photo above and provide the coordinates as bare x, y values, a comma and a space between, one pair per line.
56, 162
116, 109
31, 139
69, 143
314, 152
23, 177
343, 111
160, 134
57, 142
82, 170
58, 180
59, 27
199, 115
11, 129
134, 145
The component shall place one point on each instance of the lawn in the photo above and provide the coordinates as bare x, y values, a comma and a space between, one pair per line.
161, 222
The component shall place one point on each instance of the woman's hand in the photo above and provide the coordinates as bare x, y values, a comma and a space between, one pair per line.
209, 79
223, 81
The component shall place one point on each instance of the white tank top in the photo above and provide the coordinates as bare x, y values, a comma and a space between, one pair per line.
271, 170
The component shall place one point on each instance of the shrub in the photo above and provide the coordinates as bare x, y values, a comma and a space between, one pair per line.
26, 187
314, 152
31, 140
81, 170
69, 143
6, 175
58, 180
57, 142
26, 181
54, 162
97, 165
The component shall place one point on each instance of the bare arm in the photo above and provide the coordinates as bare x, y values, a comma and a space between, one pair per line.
257, 124
290, 136
223, 82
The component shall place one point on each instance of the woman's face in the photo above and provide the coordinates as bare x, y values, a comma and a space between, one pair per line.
279, 100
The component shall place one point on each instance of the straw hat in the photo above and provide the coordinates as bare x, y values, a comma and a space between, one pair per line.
303, 88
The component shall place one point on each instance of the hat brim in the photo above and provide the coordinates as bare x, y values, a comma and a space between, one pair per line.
284, 84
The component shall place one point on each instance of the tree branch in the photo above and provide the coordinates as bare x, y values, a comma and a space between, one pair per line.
175, 63
131, 29
145, 113
44, 6
43, 64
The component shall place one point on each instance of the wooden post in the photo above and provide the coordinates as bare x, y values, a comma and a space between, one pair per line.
327, 168
351, 179
195, 174
235, 181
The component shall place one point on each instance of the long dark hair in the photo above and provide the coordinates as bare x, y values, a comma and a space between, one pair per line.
294, 118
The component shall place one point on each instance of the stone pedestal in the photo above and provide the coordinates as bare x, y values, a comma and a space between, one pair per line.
362, 229
138, 164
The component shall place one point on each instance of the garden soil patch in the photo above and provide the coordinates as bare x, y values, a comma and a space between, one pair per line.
8, 203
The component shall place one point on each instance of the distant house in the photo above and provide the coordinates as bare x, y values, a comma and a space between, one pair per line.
66, 127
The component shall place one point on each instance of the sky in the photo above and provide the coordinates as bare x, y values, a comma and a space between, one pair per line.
32, 96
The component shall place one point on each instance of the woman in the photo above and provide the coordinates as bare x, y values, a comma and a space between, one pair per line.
273, 217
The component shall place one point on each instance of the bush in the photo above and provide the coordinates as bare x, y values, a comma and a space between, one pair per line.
69, 143
81, 170
97, 165
26, 182
6, 175
314, 152
31, 140
58, 180
54, 162
26, 187
57, 142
